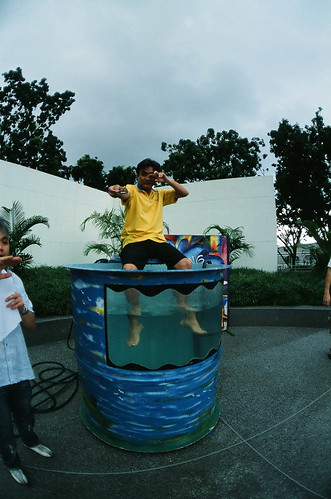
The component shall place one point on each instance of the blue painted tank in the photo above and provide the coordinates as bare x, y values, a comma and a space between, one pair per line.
148, 367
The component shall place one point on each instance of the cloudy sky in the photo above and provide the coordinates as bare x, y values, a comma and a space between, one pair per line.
148, 71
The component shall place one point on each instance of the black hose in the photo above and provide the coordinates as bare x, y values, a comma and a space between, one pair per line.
52, 383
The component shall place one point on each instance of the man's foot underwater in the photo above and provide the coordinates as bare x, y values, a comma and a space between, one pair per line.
190, 321
134, 336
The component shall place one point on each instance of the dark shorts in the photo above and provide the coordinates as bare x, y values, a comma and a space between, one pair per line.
139, 253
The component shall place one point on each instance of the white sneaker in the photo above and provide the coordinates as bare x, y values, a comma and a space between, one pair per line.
42, 450
18, 475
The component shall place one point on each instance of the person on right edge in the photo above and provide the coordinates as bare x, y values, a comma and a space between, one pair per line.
326, 296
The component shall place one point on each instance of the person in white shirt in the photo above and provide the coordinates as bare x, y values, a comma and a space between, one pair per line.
16, 370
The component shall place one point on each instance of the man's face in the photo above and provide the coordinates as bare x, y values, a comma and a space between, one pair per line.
146, 178
4, 244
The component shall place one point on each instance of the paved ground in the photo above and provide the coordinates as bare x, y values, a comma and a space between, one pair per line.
272, 439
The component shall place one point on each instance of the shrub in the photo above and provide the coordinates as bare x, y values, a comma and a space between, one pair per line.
250, 287
49, 289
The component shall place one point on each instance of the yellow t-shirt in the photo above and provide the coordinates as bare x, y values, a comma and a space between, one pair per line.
144, 214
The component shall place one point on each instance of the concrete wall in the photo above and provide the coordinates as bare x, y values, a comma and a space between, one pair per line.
247, 202
66, 204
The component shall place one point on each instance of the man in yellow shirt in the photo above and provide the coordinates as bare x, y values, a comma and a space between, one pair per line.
142, 233
143, 209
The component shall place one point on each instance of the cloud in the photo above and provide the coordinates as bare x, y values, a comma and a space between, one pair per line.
151, 71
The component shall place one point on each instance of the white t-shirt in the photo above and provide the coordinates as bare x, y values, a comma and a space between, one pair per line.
14, 359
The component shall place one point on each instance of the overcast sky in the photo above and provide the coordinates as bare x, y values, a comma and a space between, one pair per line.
148, 71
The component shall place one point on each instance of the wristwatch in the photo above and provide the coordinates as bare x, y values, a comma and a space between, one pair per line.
25, 311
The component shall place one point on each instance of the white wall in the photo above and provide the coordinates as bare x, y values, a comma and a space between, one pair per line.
66, 204
247, 202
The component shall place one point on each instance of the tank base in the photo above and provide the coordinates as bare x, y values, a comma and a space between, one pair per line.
152, 445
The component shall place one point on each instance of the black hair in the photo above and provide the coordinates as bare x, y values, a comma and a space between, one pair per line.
4, 226
145, 163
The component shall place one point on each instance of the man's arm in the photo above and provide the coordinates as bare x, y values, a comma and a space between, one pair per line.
118, 191
326, 296
180, 190
29, 321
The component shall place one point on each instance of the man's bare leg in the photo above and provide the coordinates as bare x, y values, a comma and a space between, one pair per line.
182, 303
190, 320
132, 296
135, 329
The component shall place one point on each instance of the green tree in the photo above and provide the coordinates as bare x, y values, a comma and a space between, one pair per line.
89, 171
20, 231
213, 156
322, 236
303, 178
27, 113
121, 175
237, 242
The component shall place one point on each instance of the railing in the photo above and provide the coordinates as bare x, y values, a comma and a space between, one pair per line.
298, 267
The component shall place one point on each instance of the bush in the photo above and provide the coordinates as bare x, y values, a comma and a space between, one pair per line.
250, 287
49, 289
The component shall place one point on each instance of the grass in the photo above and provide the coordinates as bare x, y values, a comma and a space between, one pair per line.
49, 289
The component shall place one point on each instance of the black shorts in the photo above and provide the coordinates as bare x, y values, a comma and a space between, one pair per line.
139, 253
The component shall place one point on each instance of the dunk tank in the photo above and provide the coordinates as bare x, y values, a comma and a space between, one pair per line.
149, 379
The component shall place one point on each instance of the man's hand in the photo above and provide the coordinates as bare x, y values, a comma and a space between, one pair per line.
8, 261
14, 302
159, 177
117, 191
181, 191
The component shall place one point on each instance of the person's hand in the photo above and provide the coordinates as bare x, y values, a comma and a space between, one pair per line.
159, 177
115, 191
14, 302
8, 261
326, 299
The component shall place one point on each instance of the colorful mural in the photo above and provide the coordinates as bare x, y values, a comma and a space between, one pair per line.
207, 250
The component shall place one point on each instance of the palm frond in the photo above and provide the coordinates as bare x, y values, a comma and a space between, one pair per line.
25, 242
20, 229
110, 225
101, 248
237, 242
166, 227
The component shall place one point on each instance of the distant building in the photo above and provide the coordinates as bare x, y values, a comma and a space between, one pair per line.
304, 258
